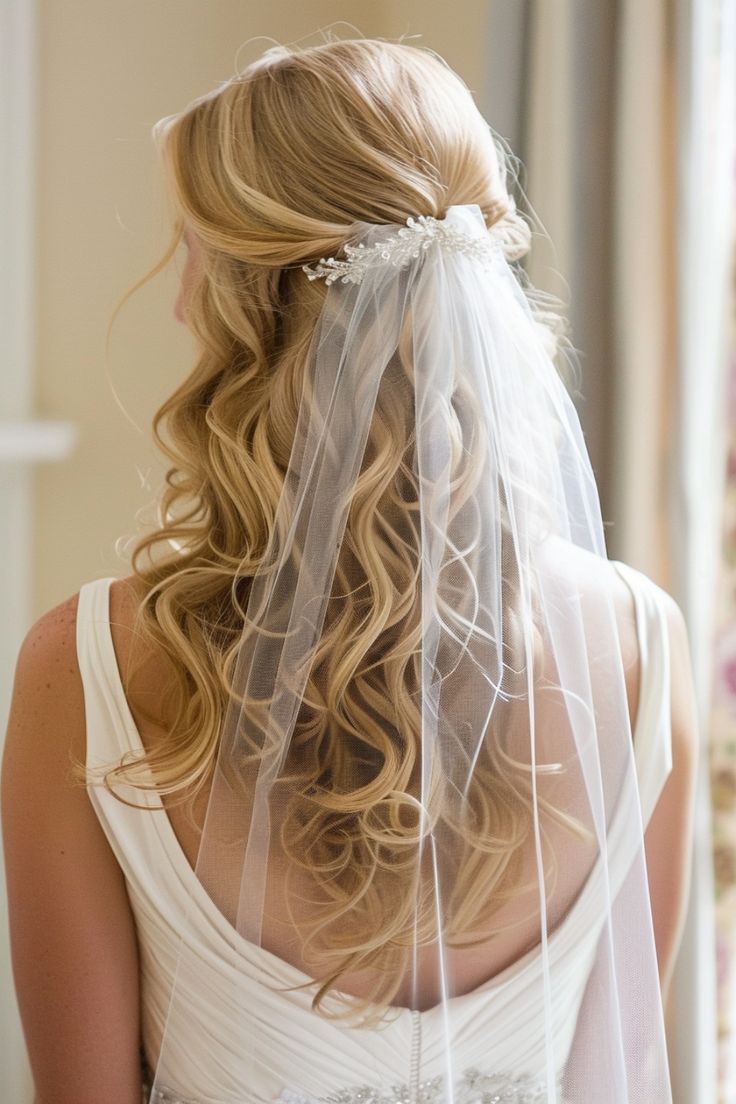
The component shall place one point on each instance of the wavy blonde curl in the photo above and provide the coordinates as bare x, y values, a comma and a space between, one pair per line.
271, 171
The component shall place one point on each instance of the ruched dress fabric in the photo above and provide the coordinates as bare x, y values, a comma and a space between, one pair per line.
497, 1029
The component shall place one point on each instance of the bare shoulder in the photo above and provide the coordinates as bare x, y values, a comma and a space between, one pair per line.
53, 632
125, 597
144, 670
72, 932
47, 671
597, 581
595, 574
47, 675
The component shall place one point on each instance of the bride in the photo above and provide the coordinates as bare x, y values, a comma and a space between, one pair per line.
374, 780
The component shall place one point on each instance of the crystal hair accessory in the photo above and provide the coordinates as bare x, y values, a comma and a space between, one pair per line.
399, 249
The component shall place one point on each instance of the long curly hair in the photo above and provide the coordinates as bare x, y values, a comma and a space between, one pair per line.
271, 171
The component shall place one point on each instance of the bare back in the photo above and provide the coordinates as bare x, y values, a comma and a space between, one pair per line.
469, 968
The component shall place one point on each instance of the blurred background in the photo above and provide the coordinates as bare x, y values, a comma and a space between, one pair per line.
622, 114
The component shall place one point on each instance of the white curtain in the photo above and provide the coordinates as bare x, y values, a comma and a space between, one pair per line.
705, 76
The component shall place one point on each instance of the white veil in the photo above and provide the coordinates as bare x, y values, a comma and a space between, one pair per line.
476, 870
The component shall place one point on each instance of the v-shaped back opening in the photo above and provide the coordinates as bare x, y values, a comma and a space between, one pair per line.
97, 603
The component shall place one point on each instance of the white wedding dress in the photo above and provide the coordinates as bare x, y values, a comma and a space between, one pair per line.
497, 1029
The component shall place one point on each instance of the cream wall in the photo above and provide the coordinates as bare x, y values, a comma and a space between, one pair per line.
103, 72
107, 71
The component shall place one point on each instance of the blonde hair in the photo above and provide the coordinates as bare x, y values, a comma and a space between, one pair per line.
273, 170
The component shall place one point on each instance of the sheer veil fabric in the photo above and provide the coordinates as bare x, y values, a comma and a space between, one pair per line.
411, 842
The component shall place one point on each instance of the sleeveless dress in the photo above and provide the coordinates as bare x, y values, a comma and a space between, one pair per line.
498, 1028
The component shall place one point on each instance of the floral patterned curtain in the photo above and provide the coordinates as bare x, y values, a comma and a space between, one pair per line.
723, 753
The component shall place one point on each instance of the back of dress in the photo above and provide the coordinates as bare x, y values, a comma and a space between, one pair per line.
238, 990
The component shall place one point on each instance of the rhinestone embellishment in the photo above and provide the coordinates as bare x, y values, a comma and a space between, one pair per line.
399, 249
473, 1087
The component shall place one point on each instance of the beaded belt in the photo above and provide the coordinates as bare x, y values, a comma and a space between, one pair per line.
473, 1087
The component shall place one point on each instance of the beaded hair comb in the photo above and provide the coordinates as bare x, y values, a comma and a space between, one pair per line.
397, 250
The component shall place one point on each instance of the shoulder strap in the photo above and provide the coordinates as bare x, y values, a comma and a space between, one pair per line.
106, 711
145, 846
653, 744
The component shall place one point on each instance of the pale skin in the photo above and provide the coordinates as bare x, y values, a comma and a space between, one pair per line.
73, 936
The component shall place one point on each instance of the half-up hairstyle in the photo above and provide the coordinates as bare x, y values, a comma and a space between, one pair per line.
271, 171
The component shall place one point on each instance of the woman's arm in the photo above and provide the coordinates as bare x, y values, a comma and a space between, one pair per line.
668, 838
72, 933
